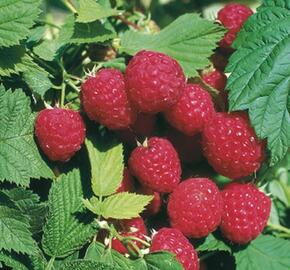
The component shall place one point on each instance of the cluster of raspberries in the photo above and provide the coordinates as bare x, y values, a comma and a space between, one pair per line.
128, 103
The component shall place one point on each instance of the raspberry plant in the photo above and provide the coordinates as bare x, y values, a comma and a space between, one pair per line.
82, 186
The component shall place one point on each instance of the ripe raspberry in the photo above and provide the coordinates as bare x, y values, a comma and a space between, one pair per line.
192, 111
127, 183
156, 165
132, 227
60, 133
232, 17
154, 207
195, 207
154, 80
105, 100
215, 79
246, 212
231, 146
188, 147
174, 241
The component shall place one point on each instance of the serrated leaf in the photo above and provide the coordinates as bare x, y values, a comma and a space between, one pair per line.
13, 260
162, 260
11, 60
90, 11
66, 230
259, 79
124, 205
14, 229
212, 243
266, 252
189, 39
19, 157
47, 49
106, 166
16, 17
87, 265
94, 205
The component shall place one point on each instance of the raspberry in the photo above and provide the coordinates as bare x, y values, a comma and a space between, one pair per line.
156, 165
192, 111
132, 227
154, 80
174, 241
127, 183
232, 17
231, 146
154, 207
215, 79
188, 147
195, 207
246, 212
60, 133
105, 100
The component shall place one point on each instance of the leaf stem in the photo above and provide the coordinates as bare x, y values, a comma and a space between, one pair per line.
127, 22
72, 85
50, 264
62, 95
70, 6
279, 228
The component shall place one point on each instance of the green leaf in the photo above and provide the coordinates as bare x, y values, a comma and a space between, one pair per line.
14, 260
16, 17
66, 229
106, 166
162, 260
94, 205
14, 231
90, 11
118, 63
212, 243
266, 252
87, 265
259, 79
189, 39
124, 205
19, 157
47, 50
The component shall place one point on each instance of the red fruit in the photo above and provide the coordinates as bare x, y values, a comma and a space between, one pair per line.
231, 146
156, 165
188, 147
60, 133
215, 79
219, 60
105, 100
195, 207
154, 207
246, 212
127, 183
154, 80
232, 17
192, 111
174, 241
132, 227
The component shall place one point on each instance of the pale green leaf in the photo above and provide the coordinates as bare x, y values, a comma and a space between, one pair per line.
93, 205
106, 166
212, 243
266, 252
16, 17
189, 39
87, 265
19, 157
90, 11
124, 205
66, 229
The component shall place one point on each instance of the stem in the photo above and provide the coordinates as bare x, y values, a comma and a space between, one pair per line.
138, 240
207, 255
127, 22
48, 23
42, 62
72, 85
279, 228
70, 6
100, 200
50, 264
62, 95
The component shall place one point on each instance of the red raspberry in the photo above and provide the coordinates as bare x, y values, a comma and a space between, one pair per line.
105, 100
154, 207
60, 133
174, 241
127, 183
232, 17
132, 227
192, 111
215, 79
156, 165
195, 207
188, 147
231, 146
246, 212
154, 80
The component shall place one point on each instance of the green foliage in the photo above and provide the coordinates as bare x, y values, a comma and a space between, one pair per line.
189, 39
66, 229
266, 252
87, 265
106, 166
16, 17
212, 243
259, 79
13, 260
19, 157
